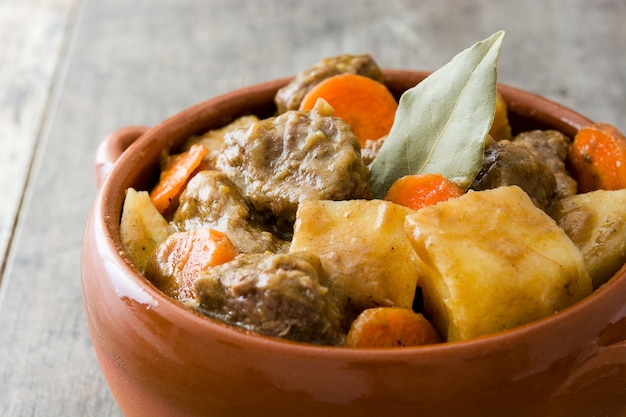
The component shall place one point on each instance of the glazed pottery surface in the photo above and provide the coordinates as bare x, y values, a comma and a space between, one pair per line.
162, 359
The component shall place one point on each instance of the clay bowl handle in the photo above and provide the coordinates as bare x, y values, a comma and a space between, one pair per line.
112, 147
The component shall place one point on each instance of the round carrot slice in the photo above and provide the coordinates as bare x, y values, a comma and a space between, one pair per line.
391, 327
417, 191
597, 158
366, 105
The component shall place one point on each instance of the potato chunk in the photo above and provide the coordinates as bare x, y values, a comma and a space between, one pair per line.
142, 227
596, 222
363, 247
500, 128
491, 261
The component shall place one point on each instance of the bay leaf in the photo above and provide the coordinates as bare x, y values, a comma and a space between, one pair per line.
441, 123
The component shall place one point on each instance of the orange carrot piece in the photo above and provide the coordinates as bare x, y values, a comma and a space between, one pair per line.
417, 191
190, 253
597, 158
366, 105
391, 327
175, 176
207, 248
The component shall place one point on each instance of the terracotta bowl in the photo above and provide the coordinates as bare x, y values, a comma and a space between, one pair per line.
161, 359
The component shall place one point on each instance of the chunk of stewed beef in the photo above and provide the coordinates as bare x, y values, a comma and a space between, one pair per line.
552, 147
281, 295
507, 164
211, 200
290, 96
299, 155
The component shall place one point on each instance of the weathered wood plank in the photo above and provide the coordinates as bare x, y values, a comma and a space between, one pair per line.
32, 33
137, 62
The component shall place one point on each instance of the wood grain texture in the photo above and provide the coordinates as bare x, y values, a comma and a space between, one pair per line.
32, 33
140, 61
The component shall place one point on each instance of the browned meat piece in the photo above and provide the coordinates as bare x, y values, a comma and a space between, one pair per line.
507, 164
278, 295
213, 139
297, 156
551, 147
211, 200
290, 96
370, 150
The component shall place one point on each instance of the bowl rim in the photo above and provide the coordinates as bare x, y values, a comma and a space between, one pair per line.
107, 209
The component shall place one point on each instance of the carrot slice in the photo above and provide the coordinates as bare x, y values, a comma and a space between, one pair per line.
175, 176
391, 327
185, 256
417, 191
206, 248
597, 158
366, 105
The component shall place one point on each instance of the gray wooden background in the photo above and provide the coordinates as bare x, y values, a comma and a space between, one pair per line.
72, 71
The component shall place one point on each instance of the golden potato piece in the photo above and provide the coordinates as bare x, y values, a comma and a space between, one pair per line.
596, 222
500, 128
363, 247
491, 261
142, 227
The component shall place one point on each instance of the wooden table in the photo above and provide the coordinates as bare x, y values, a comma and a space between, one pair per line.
73, 71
